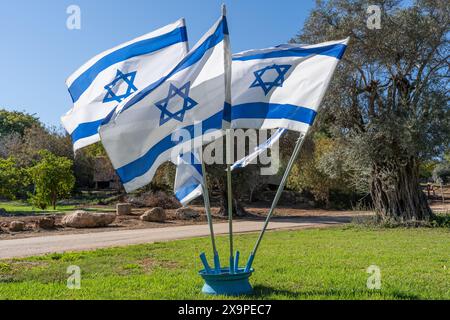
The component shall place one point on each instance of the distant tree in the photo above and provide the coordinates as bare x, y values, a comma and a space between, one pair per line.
389, 100
16, 122
12, 178
25, 147
9, 144
52, 178
441, 173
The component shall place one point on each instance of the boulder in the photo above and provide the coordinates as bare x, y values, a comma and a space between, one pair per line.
16, 226
154, 215
46, 223
83, 219
186, 213
123, 209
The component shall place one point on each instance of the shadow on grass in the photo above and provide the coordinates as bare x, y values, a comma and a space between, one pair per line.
261, 291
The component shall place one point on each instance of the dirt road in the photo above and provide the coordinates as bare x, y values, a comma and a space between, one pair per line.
78, 242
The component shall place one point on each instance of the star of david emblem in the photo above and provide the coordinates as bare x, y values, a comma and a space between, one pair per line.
172, 111
114, 87
265, 75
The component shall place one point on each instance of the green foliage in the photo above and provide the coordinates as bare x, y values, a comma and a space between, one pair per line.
426, 169
13, 179
53, 179
16, 122
441, 173
389, 99
441, 220
320, 169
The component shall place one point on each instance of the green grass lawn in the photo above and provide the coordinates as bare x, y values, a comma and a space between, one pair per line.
18, 207
306, 264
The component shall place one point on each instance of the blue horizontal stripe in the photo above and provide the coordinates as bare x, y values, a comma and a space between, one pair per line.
184, 191
262, 110
85, 130
140, 166
192, 58
79, 86
335, 50
88, 129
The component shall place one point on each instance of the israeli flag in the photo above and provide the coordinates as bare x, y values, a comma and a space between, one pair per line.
188, 178
259, 150
282, 87
110, 77
182, 110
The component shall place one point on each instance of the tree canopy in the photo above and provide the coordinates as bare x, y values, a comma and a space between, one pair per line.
16, 122
52, 178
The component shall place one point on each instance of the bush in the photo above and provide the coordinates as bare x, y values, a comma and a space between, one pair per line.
13, 179
322, 171
53, 179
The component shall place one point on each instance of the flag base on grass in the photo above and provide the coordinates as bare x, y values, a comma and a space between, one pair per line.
226, 283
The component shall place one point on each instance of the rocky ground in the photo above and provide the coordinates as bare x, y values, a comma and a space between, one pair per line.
133, 221
34, 225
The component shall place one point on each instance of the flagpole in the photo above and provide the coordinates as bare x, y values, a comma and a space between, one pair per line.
291, 162
229, 145
209, 216
230, 198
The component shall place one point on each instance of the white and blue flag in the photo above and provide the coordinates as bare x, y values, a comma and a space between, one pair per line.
182, 110
189, 177
282, 87
112, 76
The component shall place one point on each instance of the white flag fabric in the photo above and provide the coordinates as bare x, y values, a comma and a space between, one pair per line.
259, 150
182, 109
282, 87
110, 77
188, 178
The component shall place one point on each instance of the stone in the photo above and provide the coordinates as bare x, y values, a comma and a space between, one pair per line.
84, 219
123, 209
46, 223
16, 226
186, 213
154, 215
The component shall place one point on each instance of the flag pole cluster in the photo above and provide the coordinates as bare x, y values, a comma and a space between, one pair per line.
151, 100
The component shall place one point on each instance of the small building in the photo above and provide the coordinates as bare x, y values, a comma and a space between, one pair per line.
105, 176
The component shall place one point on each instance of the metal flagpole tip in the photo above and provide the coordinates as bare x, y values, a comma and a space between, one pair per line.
224, 9
226, 283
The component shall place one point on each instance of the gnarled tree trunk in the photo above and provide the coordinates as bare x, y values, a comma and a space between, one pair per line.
396, 192
238, 208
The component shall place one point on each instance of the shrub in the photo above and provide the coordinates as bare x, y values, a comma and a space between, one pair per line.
13, 179
53, 179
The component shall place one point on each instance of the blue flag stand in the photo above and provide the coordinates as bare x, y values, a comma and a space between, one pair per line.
234, 280
219, 280
230, 280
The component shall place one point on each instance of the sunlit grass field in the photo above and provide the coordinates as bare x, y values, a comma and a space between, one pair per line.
306, 264
23, 208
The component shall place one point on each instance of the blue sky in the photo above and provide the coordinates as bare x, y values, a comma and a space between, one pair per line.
38, 52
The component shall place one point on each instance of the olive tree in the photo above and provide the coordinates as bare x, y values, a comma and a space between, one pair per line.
389, 98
